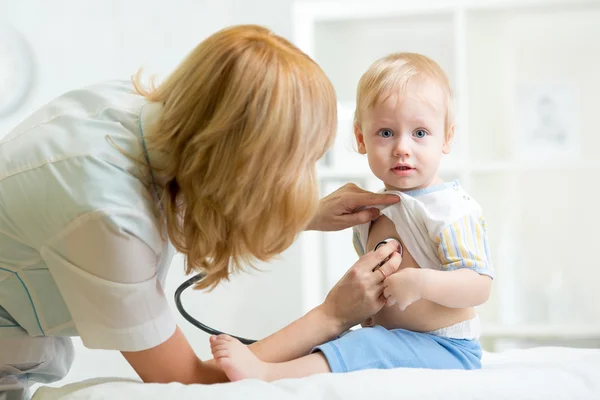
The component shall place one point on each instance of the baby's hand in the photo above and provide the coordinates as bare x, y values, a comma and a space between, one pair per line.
403, 288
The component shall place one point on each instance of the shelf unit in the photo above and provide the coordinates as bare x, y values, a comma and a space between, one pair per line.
541, 211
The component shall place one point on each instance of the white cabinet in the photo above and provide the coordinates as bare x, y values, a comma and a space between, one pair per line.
526, 77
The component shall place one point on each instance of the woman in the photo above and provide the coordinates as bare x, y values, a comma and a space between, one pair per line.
100, 186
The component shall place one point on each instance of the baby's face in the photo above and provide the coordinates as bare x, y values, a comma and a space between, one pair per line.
404, 137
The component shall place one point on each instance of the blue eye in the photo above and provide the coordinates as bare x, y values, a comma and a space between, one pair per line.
420, 133
386, 133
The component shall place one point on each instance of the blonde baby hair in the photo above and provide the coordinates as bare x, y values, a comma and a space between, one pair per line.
392, 73
245, 118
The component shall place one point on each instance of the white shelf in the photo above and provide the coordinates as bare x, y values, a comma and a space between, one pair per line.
519, 166
477, 168
343, 10
542, 331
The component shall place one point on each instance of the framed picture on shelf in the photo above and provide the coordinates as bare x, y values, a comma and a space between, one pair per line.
546, 123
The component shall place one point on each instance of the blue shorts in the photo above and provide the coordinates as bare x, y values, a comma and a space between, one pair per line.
380, 348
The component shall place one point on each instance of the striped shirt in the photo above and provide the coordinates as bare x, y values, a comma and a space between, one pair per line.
441, 226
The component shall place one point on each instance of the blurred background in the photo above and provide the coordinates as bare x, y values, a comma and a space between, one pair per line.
527, 140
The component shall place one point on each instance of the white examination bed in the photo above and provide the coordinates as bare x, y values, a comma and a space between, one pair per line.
541, 373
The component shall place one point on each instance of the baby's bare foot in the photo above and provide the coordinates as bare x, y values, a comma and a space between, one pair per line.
236, 360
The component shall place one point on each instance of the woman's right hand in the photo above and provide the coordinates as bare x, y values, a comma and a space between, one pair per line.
359, 294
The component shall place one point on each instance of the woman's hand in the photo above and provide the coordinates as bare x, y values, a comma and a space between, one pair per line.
359, 294
348, 206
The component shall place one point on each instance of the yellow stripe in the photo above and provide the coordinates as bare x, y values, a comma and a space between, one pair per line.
440, 249
458, 234
462, 239
449, 248
469, 240
479, 238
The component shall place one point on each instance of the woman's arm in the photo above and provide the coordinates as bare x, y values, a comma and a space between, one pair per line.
298, 338
173, 361
354, 298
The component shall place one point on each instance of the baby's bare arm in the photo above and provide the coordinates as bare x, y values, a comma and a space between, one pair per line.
460, 288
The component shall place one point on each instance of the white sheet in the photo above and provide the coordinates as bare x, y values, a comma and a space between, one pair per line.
540, 373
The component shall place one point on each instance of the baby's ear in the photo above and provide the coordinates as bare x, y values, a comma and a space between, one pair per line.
448, 141
360, 139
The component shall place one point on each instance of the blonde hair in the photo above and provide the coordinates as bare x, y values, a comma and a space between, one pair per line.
392, 73
245, 118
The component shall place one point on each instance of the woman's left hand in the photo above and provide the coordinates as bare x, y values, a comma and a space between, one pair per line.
348, 206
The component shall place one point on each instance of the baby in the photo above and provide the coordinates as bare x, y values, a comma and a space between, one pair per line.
404, 123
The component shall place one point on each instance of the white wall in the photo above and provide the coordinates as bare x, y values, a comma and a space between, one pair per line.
80, 42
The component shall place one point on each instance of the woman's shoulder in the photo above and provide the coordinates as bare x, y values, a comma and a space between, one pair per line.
86, 101
82, 146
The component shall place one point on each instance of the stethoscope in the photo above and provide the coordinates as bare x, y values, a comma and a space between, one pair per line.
212, 331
